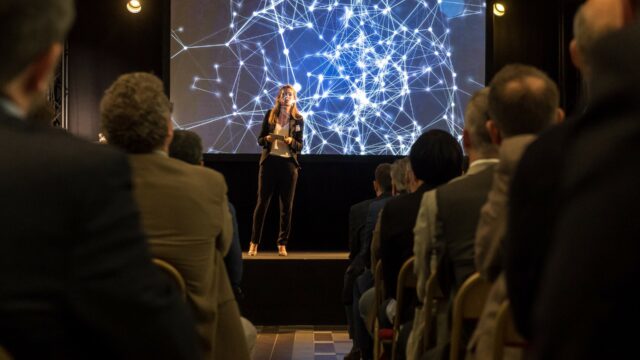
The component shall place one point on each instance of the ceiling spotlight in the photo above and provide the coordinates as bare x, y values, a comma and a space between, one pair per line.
499, 9
134, 6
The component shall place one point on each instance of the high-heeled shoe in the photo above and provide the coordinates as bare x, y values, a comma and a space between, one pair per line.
282, 250
253, 249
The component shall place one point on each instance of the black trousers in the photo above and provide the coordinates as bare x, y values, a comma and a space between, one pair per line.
278, 175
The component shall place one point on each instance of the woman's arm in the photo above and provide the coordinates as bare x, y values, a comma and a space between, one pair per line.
296, 139
264, 132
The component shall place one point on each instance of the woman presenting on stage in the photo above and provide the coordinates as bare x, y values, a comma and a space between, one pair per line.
281, 139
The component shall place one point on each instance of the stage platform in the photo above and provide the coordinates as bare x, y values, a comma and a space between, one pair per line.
303, 288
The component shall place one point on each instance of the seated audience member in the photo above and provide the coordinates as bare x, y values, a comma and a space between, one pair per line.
523, 101
184, 208
587, 306
399, 170
359, 272
448, 218
76, 277
187, 146
436, 158
536, 184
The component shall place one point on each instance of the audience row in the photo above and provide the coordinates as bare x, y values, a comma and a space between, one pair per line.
541, 214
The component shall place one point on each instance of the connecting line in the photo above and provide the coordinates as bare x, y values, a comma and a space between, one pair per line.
371, 75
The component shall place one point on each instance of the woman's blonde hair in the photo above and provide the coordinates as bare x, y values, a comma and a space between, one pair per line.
275, 112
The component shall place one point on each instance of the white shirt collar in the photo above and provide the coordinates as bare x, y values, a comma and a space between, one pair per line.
483, 162
11, 108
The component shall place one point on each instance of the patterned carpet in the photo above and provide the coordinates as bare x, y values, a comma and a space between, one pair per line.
301, 343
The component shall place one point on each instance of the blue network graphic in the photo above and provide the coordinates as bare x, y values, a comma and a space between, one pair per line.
371, 76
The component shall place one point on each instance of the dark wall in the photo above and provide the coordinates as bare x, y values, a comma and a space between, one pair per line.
327, 187
107, 41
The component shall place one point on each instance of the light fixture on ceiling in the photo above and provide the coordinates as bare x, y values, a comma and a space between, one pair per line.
499, 9
134, 6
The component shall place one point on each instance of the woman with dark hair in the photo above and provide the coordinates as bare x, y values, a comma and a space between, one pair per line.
281, 139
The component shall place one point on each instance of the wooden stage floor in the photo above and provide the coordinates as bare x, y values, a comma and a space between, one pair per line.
295, 255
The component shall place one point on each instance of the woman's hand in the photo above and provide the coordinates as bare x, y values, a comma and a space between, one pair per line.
269, 138
288, 140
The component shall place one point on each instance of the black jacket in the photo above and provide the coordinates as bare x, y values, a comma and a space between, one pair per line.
76, 280
296, 131
396, 235
588, 303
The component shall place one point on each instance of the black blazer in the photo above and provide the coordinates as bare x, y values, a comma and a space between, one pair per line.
357, 221
589, 295
296, 131
76, 280
396, 235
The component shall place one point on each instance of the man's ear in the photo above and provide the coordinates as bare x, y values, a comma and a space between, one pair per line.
494, 132
560, 116
41, 71
576, 56
466, 140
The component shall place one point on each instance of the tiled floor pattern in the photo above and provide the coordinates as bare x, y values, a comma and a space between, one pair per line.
301, 343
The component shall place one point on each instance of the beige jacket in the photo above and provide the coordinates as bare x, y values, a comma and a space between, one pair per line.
492, 228
185, 214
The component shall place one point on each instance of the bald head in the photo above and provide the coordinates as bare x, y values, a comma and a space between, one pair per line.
594, 20
523, 100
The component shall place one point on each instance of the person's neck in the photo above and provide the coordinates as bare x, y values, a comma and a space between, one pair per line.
416, 185
22, 102
285, 110
473, 155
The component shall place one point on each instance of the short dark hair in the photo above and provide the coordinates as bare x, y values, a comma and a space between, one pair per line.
436, 157
383, 176
522, 100
135, 113
186, 146
28, 28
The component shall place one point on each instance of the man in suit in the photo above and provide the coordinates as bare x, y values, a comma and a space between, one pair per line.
184, 208
535, 188
357, 246
448, 217
588, 299
76, 275
187, 146
523, 101
435, 159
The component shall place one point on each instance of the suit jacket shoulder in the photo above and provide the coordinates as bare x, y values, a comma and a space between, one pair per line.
458, 212
71, 200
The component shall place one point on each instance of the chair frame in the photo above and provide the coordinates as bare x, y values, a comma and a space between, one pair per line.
379, 296
506, 334
407, 279
432, 297
174, 274
468, 304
